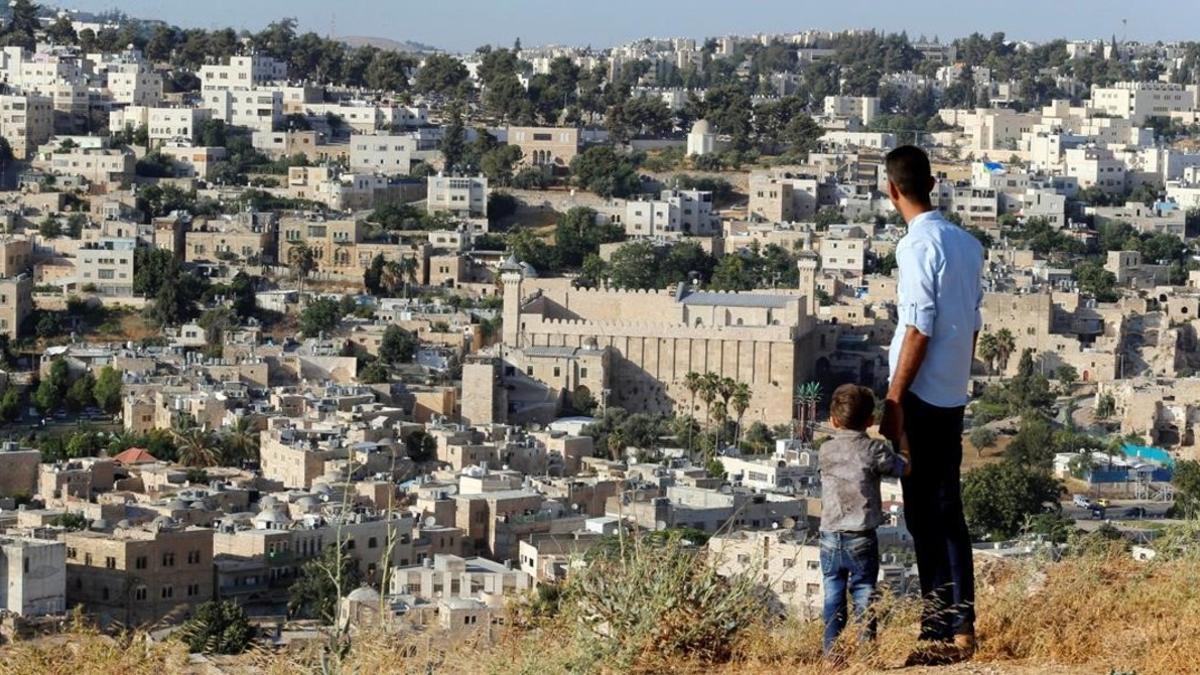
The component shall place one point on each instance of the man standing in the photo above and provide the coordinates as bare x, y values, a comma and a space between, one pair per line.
939, 296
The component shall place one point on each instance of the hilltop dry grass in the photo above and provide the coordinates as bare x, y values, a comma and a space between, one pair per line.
1098, 613
85, 650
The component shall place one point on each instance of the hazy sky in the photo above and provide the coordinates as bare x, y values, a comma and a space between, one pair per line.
466, 24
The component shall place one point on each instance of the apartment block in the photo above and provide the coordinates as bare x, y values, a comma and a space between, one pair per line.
552, 148
783, 196
134, 84
675, 213
107, 266
33, 576
240, 72
1138, 101
137, 575
162, 124
465, 196
16, 303
100, 166
257, 109
382, 153
785, 562
862, 108
26, 122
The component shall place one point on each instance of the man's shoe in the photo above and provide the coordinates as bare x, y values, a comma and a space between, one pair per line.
965, 644
932, 654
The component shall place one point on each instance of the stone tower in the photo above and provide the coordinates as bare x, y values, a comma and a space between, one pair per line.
807, 264
511, 276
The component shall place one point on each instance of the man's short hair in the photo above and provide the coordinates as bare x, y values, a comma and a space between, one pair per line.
908, 168
852, 406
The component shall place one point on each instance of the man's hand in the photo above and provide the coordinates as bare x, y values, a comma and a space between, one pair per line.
891, 425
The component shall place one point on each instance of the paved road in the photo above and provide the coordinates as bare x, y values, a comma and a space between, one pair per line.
1119, 509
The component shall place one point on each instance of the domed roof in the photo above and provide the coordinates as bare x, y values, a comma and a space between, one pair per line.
700, 127
163, 521
124, 524
363, 594
267, 502
177, 505
272, 516
308, 502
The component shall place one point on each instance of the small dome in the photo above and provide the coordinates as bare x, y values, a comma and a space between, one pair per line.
700, 127
198, 506
124, 524
267, 502
272, 516
163, 521
364, 595
177, 505
309, 502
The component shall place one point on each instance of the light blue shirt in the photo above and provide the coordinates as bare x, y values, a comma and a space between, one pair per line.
940, 291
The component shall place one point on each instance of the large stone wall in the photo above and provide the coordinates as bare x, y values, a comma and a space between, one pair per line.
653, 361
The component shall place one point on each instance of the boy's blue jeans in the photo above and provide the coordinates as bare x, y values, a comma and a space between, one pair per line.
849, 562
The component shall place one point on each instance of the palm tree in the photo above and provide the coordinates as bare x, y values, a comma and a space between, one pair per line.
195, 447
1005, 346
726, 387
806, 398
740, 402
708, 392
241, 439
408, 269
719, 414
399, 273
692, 382
302, 260
986, 350
122, 441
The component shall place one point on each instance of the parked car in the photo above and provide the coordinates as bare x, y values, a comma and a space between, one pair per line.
1082, 502
1097, 513
1102, 503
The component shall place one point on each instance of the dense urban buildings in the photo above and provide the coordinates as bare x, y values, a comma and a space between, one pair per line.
444, 327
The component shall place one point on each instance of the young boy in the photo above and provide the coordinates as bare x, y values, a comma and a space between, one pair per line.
851, 508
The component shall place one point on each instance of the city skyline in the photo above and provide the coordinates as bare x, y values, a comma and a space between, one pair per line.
538, 22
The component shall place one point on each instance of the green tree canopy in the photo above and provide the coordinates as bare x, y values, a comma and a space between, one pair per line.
998, 498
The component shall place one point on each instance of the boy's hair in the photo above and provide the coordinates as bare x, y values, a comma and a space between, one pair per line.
908, 168
852, 406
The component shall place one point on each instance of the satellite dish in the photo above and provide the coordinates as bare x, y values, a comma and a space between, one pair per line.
789, 523
429, 521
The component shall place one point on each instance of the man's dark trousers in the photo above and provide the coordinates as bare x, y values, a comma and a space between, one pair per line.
933, 512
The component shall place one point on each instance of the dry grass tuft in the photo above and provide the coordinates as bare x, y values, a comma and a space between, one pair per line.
83, 649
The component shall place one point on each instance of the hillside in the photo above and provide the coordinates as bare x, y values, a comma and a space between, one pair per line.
387, 44
1096, 611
